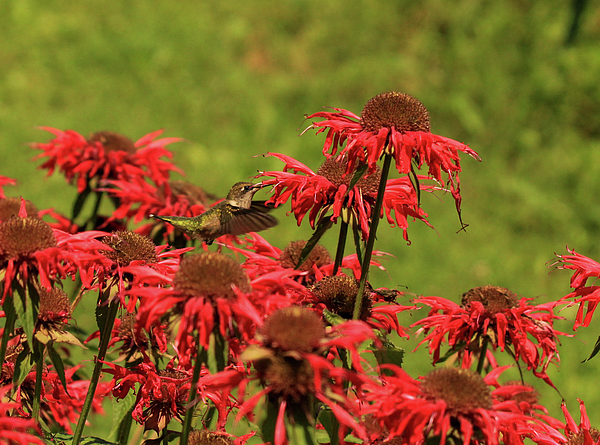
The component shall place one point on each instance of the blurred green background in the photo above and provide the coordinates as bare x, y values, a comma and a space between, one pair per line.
513, 79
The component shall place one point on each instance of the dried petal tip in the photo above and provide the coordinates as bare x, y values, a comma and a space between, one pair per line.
129, 246
24, 236
398, 110
211, 275
494, 298
461, 389
112, 141
294, 329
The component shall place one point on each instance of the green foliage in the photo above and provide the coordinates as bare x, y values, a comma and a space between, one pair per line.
236, 78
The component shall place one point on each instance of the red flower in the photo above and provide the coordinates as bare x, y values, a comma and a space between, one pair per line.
106, 155
289, 362
129, 255
264, 259
585, 434
15, 430
31, 248
138, 199
587, 296
582, 434
208, 288
448, 404
494, 316
316, 194
161, 397
5, 181
398, 124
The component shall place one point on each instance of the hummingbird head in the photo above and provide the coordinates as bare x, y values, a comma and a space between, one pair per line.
241, 194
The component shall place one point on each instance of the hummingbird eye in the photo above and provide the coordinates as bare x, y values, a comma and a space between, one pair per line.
247, 188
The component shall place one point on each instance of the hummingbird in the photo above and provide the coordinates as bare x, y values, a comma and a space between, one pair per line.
235, 215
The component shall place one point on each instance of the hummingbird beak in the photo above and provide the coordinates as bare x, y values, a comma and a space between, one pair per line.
259, 185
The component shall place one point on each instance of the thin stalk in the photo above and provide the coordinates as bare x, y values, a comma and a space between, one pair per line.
9, 324
482, 354
339, 254
102, 348
37, 391
201, 358
375, 216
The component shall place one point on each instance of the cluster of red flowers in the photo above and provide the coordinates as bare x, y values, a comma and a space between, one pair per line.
286, 338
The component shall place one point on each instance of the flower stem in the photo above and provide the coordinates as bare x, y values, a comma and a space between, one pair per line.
375, 216
482, 354
9, 324
39, 369
339, 254
105, 335
201, 358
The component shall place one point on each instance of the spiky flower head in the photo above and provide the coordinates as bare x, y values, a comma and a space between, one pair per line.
399, 111
211, 275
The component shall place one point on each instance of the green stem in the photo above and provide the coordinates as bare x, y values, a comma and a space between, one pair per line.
339, 254
105, 335
482, 354
37, 391
375, 217
201, 359
9, 324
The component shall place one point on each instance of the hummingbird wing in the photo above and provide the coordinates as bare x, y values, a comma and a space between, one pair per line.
262, 206
247, 220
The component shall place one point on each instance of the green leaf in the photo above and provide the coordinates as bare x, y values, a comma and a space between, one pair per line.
43, 335
24, 312
330, 423
357, 242
301, 430
79, 202
102, 310
218, 352
358, 173
122, 410
388, 354
594, 351
414, 179
323, 226
22, 366
59, 367
332, 318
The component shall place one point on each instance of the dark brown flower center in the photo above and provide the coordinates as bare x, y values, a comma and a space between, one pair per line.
205, 437
11, 206
289, 256
286, 376
494, 299
129, 246
580, 437
24, 236
294, 328
397, 110
335, 171
54, 305
211, 275
112, 141
339, 293
173, 374
461, 389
